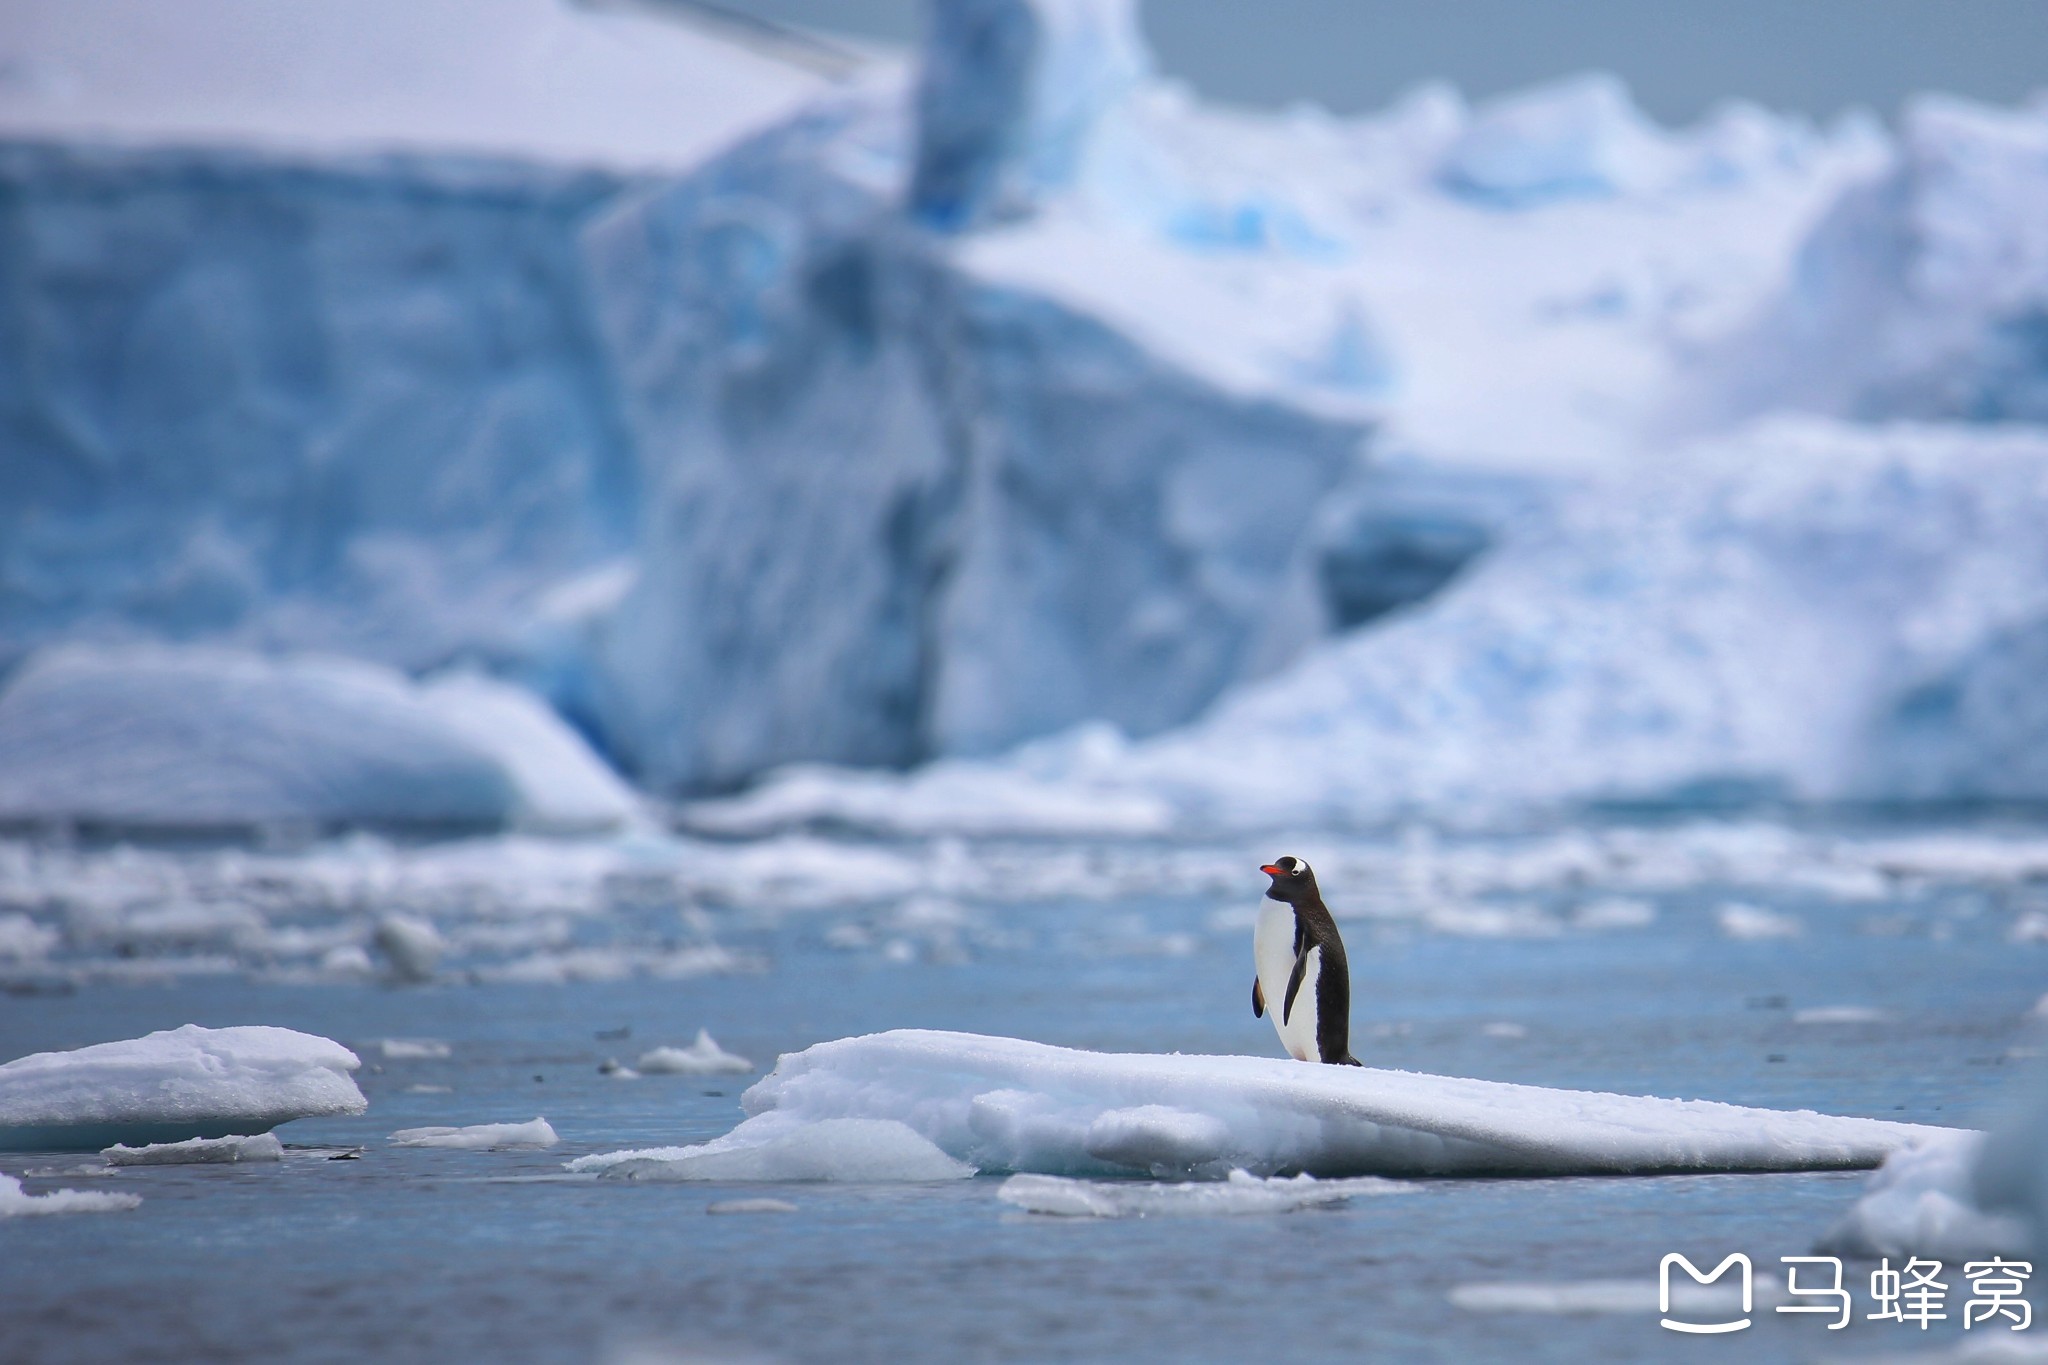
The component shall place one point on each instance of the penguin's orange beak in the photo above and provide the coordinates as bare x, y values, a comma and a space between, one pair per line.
1272, 871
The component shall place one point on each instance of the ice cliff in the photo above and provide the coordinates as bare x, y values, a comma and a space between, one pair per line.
914, 415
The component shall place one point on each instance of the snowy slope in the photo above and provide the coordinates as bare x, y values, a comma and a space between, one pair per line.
1004, 1104
587, 85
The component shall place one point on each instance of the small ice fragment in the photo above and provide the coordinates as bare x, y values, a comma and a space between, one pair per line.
350, 959
701, 1058
412, 946
414, 1049
1569, 1296
1840, 1014
617, 1070
751, 1206
872, 1151
1241, 1193
479, 1137
198, 1151
172, 1085
1614, 912
16, 1202
1505, 1029
430, 1089
1740, 921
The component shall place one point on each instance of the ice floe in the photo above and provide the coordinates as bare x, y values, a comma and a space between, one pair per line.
413, 1049
1005, 1104
185, 737
172, 1085
854, 1150
750, 1206
16, 1202
1237, 1193
480, 1137
198, 1152
704, 1057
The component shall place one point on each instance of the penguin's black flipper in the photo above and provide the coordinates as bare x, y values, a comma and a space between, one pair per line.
1294, 980
1258, 1000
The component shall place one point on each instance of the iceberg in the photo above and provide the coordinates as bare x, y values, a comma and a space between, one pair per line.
856, 1150
173, 1085
1800, 610
198, 1152
1237, 1193
1008, 1105
208, 738
480, 1137
704, 1057
18, 1203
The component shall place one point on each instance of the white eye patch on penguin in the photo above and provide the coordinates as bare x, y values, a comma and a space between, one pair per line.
1300, 972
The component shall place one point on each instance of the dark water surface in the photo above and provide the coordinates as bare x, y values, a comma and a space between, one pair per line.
428, 1255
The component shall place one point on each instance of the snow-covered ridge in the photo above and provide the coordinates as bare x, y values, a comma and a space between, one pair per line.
1004, 1104
612, 86
173, 1085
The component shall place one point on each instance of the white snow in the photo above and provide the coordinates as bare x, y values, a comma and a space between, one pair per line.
198, 1151
1236, 1193
17, 1203
480, 1137
613, 86
172, 1085
856, 1150
198, 737
703, 1057
1004, 1104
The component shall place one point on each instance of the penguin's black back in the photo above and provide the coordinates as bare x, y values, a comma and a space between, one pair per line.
1315, 927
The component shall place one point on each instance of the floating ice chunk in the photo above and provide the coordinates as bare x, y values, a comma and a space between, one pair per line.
1840, 1014
412, 947
22, 938
701, 1058
751, 1206
1741, 921
1004, 1104
854, 1150
198, 1152
1614, 912
1923, 1202
16, 1202
189, 737
480, 1137
1504, 1028
414, 1049
176, 1084
1238, 1193
1586, 1297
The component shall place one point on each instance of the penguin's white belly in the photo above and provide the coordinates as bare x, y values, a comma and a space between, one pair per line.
1273, 957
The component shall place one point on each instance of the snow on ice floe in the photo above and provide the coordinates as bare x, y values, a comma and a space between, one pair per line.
16, 1202
480, 1137
198, 1152
703, 1057
854, 1150
1237, 1193
1004, 1104
205, 738
173, 1085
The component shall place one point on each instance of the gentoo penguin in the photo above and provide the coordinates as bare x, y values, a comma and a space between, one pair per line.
1302, 976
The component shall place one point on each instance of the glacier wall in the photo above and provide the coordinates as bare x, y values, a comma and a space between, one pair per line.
350, 406
897, 510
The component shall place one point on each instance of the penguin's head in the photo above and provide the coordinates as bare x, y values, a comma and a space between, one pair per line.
1292, 879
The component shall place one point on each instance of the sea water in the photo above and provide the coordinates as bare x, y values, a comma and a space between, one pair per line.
1908, 998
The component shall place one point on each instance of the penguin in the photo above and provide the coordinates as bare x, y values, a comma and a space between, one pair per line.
1301, 974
